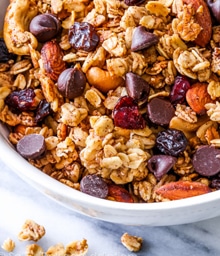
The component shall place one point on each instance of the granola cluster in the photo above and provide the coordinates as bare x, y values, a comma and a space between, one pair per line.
80, 134
32, 231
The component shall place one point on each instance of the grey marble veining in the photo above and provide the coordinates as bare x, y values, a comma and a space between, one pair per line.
19, 201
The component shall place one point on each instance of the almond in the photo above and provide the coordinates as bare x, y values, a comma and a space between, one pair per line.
119, 194
203, 18
197, 96
52, 58
182, 189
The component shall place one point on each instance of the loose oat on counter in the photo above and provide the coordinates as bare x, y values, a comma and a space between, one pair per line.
132, 243
77, 248
8, 245
112, 87
56, 250
34, 250
31, 231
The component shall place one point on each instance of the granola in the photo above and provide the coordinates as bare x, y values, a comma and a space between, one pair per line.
80, 134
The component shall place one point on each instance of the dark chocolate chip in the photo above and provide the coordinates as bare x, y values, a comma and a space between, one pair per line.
136, 86
214, 6
31, 146
71, 83
160, 111
206, 160
94, 186
143, 39
45, 27
160, 165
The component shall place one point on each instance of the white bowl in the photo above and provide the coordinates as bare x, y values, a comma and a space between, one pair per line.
152, 214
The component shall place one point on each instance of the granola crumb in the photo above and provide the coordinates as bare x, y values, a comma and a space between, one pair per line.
56, 250
132, 243
8, 245
77, 248
34, 250
31, 231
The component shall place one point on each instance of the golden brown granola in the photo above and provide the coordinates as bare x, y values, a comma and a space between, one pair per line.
80, 135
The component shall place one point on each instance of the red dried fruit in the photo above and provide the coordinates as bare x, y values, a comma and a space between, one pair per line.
126, 114
43, 110
83, 36
22, 100
179, 89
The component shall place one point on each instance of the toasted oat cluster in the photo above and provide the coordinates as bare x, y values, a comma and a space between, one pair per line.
8, 245
31, 231
132, 243
119, 99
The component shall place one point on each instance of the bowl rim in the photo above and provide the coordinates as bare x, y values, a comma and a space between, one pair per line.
20, 166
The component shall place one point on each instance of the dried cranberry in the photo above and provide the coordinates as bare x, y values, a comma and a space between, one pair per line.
126, 114
22, 100
43, 110
171, 142
4, 54
82, 36
178, 92
133, 2
94, 186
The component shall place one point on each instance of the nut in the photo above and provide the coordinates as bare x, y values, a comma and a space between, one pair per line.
197, 96
52, 59
203, 18
187, 128
119, 194
182, 189
103, 80
17, 19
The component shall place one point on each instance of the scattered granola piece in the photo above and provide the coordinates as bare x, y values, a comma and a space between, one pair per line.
31, 231
34, 250
132, 243
77, 248
8, 245
56, 250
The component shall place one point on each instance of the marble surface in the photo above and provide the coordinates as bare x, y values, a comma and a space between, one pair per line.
19, 201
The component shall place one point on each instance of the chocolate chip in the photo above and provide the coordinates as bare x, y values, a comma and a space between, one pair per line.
143, 39
136, 86
160, 111
94, 186
214, 6
160, 165
31, 146
71, 83
206, 160
44, 27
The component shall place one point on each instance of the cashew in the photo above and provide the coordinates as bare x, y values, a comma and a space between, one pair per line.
189, 129
103, 80
15, 31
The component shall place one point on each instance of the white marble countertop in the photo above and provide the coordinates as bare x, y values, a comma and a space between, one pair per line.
19, 201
